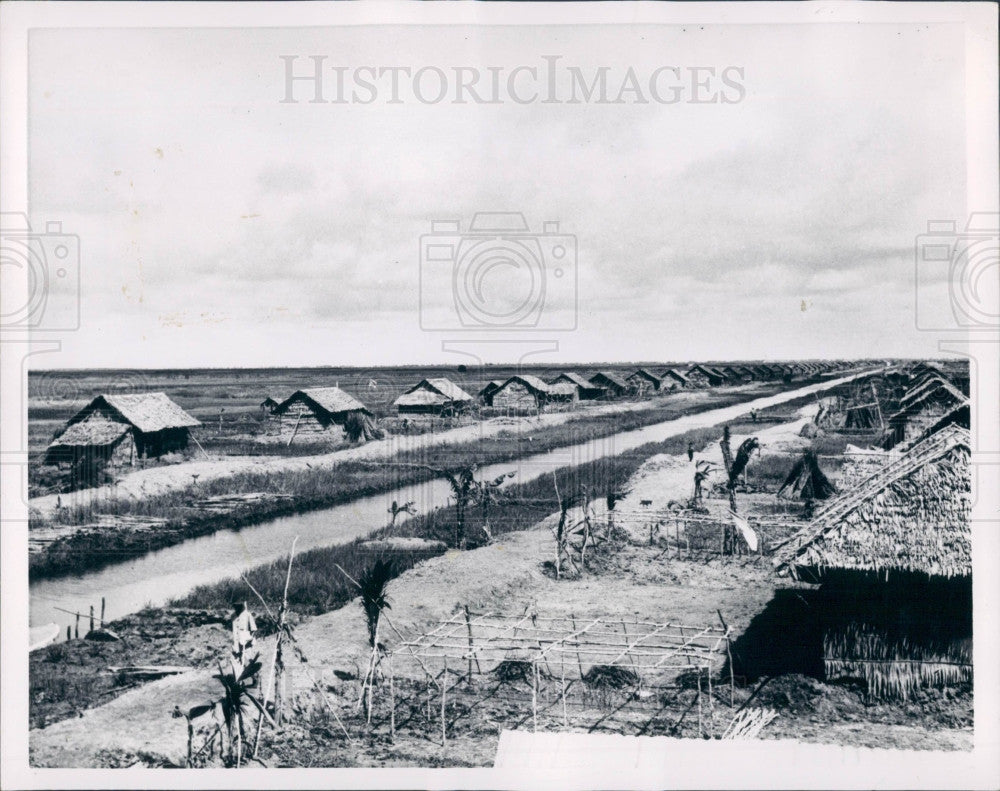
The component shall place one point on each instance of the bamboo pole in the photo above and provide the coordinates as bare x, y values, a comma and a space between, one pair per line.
102, 610
91, 617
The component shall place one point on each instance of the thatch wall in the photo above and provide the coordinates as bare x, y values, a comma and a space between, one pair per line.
897, 634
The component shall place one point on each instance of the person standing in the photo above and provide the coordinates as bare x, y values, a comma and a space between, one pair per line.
244, 630
690, 451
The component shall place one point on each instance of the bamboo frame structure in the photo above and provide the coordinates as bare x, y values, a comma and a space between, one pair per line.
559, 653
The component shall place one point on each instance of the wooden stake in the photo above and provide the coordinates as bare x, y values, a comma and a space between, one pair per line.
102, 611
392, 700
444, 722
468, 625
534, 696
562, 674
91, 617
69, 633
78, 625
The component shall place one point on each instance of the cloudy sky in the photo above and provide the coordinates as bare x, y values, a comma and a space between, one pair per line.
221, 226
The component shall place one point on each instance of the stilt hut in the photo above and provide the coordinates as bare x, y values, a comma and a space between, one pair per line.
585, 390
118, 429
433, 397
894, 560
317, 411
642, 382
612, 385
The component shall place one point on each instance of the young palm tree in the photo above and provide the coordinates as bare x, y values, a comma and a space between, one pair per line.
235, 705
372, 584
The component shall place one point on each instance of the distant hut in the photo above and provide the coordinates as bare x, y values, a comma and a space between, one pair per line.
585, 390
522, 393
118, 429
268, 405
433, 397
612, 384
672, 379
735, 374
486, 394
762, 373
704, 376
563, 392
642, 382
314, 412
894, 557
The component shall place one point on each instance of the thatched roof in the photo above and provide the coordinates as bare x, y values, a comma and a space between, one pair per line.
911, 515
677, 376
533, 383
959, 416
331, 400
421, 398
148, 412
563, 390
433, 391
936, 389
94, 430
573, 378
491, 387
603, 378
642, 373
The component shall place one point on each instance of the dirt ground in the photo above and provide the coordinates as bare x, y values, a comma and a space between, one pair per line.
628, 578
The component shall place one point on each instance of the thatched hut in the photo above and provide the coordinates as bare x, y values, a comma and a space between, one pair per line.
118, 429
433, 397
703, 376
922, 408
894, 557
486, 394
611, 384
316, 411
672, 379
642, 382
585, 390
734, 374
522, 393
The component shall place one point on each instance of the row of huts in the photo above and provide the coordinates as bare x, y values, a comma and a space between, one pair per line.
120, 429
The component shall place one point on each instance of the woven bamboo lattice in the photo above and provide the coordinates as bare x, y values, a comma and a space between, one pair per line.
552, 655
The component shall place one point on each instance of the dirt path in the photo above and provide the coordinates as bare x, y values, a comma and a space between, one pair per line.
158, 480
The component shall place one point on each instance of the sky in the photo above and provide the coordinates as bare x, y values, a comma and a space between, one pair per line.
222, 226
